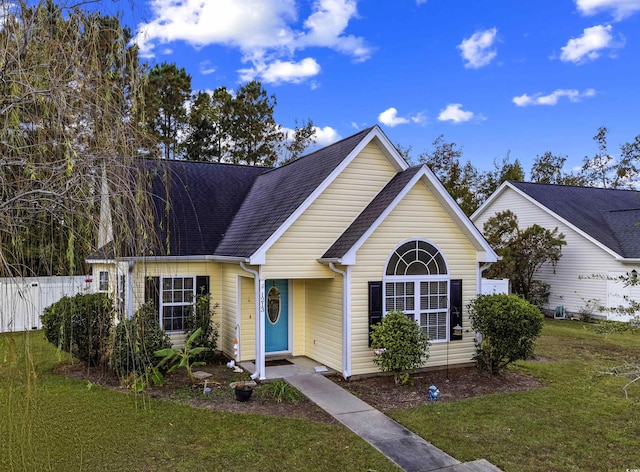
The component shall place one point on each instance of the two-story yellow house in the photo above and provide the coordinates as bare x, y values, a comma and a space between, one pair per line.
302, 259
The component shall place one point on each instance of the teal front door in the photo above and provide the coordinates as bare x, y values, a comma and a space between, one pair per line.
277, 315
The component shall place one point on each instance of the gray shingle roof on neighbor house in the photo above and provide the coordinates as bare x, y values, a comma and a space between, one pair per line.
370, 214
607, 215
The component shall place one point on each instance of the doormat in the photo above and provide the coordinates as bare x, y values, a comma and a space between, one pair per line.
277, 362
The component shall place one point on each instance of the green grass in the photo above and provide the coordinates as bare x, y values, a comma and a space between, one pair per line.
580, 420
49, 422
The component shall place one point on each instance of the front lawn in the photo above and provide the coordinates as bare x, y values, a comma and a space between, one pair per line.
50, 422
580, 420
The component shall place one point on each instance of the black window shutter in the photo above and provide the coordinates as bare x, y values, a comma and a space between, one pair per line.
375, 305
152, 291
455, 307
202, 285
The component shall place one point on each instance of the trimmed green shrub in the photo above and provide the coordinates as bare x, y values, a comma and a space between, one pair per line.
202, 318
399, 345
135, 342
81, 325
508, 327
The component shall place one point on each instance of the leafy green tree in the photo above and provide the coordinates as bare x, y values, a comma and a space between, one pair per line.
255, 135
502, 172
241, 129
399, 345
547, 169
605, 170
208, 131
166, 93
461, 181
299, 139
508, 327
523, 253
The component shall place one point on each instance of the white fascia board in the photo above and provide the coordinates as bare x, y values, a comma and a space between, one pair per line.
443, 196
585, 235
389, 151
100, 261
464, 221
489, 200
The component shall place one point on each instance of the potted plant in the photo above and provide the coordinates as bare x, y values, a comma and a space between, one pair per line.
243, 389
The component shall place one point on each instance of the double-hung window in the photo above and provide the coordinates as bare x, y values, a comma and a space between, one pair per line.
103, 281
416, 282
177, 299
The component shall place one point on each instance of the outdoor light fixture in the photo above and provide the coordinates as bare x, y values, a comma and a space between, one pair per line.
457, 330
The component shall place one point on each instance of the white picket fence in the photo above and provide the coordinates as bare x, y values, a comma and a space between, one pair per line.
23, 300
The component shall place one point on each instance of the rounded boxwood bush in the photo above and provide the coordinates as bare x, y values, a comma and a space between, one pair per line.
399, 345
508, 327
81, 326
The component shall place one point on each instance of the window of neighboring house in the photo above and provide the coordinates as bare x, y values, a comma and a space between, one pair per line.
416, 282
176, 300
103, 281
121, 293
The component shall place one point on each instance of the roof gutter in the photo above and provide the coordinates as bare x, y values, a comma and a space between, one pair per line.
198, 258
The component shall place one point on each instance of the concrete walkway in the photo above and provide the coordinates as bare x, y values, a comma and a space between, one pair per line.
403, 447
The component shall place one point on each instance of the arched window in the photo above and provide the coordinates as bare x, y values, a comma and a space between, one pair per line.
416, 282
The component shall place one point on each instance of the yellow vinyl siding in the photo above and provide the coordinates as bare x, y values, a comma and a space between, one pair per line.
323, 333
417, 216
175, 269
299, 317
295, 254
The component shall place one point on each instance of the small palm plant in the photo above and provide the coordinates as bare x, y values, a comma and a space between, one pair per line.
182, 357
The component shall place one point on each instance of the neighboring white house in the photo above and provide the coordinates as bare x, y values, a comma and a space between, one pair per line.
601, 228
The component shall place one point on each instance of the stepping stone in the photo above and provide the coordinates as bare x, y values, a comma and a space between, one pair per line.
200, 375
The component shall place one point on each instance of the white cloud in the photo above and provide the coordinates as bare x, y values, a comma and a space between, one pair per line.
478, 51
282, 71
207, 68
390, 118
326, 135
268, 33
552, 98
455, 113
619, 8
589, 46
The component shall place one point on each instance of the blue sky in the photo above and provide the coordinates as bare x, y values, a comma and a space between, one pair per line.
494, 76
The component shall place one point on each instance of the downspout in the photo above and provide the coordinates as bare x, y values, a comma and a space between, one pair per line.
346, 319
259, 314
481, 269
130, 289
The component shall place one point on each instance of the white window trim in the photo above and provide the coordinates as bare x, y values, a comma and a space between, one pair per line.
416, 280
100, 287
163, 304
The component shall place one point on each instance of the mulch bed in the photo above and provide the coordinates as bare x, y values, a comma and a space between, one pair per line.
379, 391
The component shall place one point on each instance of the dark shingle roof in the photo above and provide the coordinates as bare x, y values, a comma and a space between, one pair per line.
370, 214
607, 215
202, 198
277, 194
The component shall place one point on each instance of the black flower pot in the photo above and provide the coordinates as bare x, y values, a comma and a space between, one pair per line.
243, 395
